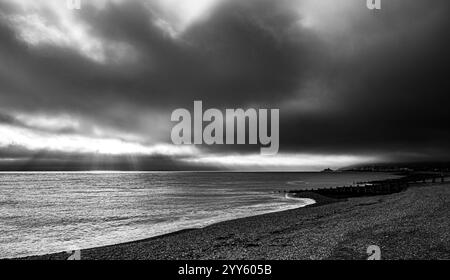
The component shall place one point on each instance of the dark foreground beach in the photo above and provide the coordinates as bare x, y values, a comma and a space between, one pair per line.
413, 224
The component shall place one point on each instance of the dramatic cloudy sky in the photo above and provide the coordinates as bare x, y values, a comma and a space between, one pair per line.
94, 88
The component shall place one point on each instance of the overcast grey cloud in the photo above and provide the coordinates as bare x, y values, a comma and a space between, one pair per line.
352, 83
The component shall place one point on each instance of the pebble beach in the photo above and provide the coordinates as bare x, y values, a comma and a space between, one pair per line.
413, 224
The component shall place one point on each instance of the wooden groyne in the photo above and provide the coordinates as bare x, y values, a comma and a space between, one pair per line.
373, 188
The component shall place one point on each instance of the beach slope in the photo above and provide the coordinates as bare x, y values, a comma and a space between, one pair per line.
414, 224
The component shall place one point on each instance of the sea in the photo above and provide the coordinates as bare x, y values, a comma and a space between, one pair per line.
48, 212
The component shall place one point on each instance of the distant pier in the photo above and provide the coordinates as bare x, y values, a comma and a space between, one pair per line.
373, 188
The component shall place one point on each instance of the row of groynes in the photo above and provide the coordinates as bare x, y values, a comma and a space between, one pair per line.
375, 187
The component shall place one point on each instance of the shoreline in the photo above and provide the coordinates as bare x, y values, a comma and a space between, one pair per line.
319, 201
329, 229
61, 255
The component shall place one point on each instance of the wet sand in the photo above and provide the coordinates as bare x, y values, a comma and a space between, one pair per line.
413, 224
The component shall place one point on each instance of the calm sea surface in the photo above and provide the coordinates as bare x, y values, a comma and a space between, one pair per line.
46, 212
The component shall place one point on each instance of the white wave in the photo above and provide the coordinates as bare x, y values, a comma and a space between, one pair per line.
305, 201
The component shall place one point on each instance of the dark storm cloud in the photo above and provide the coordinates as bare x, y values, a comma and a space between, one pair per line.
243, 54
237, 53
368, 83
391, 94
